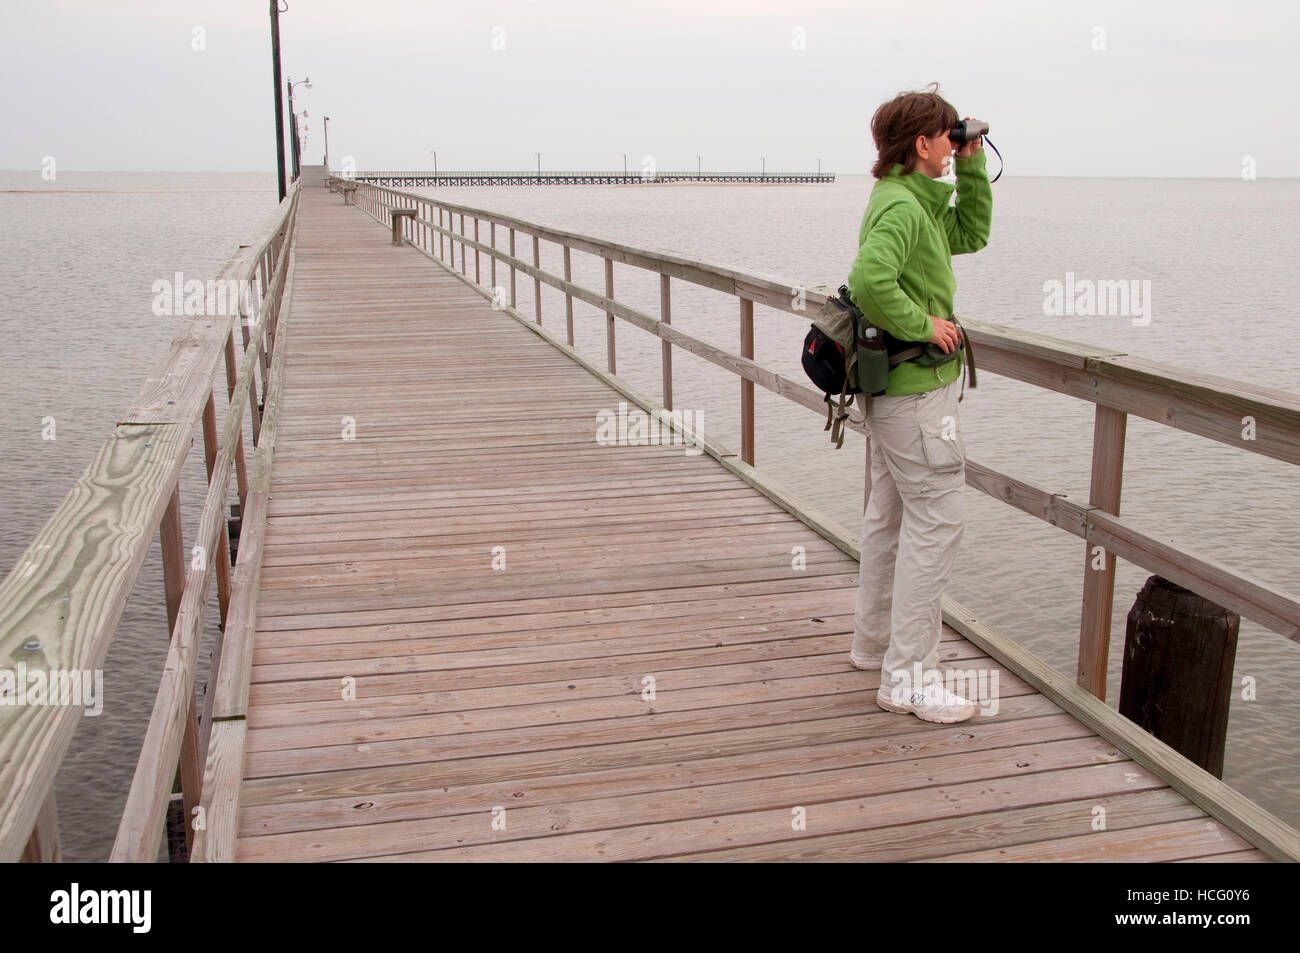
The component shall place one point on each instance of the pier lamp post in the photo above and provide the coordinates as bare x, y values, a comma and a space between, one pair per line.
435, 165
697, 167
294, 121
625, 163
327, 145
293, 146
765, 167
279, 107
539, 167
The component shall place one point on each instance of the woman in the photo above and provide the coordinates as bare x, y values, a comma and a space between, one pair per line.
902, 280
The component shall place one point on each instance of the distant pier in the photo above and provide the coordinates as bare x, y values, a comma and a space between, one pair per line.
434, 179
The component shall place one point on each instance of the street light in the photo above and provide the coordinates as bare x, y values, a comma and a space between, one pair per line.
275, 85
293, 131
327, 145
435, 165
697, 167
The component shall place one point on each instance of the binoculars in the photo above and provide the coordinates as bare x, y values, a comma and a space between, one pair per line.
966, 131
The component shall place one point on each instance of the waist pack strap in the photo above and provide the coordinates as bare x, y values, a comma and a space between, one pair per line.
970, 360
907, 355
836, 416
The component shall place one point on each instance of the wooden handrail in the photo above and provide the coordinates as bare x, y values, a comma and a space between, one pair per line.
66, 595
1208, 406
173, 712
232, 671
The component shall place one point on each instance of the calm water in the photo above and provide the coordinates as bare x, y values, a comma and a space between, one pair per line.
79, 258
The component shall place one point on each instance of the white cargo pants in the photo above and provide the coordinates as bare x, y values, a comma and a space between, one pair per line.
910, 531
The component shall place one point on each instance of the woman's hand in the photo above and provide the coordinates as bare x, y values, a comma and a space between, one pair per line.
972, 147
945, 334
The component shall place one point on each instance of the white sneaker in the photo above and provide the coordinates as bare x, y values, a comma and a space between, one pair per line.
935, 704
867, 661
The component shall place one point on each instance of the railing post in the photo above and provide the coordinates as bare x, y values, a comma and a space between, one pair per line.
746, 385
609, 315
477, 279
666, 316
170, 537
492, 239
210, 442
1109, 426
442, 253
232, 377
43, 846
173, 556
568, 298
512, 268
254, 410
463, 264
537, 282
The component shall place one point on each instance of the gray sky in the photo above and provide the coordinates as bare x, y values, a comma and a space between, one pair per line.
1131, 88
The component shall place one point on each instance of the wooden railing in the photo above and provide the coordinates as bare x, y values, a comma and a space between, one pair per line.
62, 603
486, 176
1118, 385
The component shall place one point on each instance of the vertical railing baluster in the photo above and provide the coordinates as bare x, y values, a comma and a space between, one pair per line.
666, 360
537, 281
44, 845
254, 410
232, 377
746, 385
171, 538
609, 316
568, 298
512, 267
210, 447
1108, 432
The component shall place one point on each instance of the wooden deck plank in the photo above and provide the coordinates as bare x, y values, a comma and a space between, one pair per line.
1178, 840
910, 842
615, 695
588, 807
774, 824
396, 473
637, 777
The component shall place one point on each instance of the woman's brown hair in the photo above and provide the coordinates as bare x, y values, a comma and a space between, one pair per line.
898, 122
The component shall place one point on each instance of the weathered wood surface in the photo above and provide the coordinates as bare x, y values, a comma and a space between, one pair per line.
1169, 395
515, 694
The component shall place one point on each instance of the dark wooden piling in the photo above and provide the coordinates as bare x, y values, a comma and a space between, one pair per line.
1179, 650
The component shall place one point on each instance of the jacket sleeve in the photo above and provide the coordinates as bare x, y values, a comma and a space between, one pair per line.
968, 222
873, 279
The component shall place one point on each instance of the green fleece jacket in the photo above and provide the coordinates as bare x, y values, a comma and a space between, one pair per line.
903, 272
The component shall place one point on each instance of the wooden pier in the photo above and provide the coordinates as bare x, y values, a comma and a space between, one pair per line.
459, 628
423, 180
